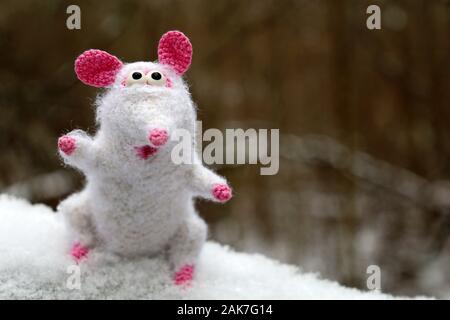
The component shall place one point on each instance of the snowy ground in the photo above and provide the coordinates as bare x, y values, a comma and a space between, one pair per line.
34, 264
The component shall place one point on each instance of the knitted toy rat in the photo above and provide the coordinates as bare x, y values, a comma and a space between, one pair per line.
137, 201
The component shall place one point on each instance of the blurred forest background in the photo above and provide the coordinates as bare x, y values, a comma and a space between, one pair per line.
363, 116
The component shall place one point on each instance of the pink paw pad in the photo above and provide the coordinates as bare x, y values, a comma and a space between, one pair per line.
145, 152
222, 192
184, 275
67, 145
79, 252
158, 137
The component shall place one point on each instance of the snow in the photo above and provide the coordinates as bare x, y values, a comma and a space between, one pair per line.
34, 264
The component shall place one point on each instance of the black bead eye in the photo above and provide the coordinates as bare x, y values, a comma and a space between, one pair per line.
156, 76
136, 75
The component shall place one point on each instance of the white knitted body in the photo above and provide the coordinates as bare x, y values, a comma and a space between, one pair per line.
130, 205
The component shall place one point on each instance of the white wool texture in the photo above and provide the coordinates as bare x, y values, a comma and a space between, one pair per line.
131, 206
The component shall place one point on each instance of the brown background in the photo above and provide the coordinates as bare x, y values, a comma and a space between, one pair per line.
363, 117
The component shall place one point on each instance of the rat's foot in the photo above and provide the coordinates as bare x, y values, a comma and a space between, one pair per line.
222, 192
79, 252
67, 144
158, 137
184, 276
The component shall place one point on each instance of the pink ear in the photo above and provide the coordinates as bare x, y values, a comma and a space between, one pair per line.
97, 68
175, 50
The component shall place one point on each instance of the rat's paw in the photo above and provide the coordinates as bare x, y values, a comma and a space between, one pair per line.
79, 252
158, 137
222, 192
184, 276
67, 144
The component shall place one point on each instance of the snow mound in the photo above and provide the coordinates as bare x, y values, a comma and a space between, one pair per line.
34, 264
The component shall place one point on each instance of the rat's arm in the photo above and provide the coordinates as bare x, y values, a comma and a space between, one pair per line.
209, 185
78, 150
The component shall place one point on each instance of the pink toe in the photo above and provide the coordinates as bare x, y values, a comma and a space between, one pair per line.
79, 252
67, 144
184, 275
145, 152
222, 192
158, 137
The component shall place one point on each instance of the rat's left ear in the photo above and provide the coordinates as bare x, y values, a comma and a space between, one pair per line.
175, 50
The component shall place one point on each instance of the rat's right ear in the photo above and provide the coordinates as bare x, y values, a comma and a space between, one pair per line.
97, 68
175, 50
